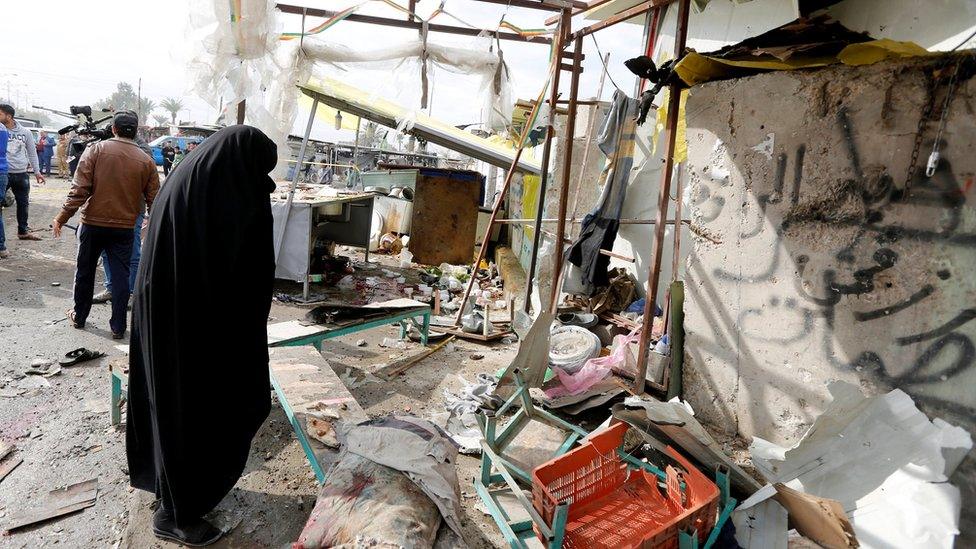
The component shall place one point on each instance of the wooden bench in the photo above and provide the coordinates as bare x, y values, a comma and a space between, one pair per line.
293, 333
304, 382
301, 377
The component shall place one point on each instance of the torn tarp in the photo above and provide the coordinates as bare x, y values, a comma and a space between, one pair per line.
883, 460
417, 448
802, 43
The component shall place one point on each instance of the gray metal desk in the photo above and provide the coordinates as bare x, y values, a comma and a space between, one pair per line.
345, 220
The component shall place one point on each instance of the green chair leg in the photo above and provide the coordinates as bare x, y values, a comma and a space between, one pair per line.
688, 539
559, 519
425, 331
116, 399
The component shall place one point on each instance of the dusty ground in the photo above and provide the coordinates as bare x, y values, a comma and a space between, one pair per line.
64, 435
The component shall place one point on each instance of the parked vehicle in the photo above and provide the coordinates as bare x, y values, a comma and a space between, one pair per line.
180, 141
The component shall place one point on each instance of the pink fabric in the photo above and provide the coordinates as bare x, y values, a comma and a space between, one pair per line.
596, 369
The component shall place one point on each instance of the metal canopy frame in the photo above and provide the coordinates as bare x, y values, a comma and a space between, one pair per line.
564, 37
430, 133
674, 95
412, 23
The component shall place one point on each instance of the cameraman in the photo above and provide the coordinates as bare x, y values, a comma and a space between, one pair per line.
111, 182
21, 153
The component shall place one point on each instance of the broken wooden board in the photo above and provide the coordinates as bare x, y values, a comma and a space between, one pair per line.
670, 423
58, 503
495, 336
391, 371
9, 460
445, 216
305, 383
6, 448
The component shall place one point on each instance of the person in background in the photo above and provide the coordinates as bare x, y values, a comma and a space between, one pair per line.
113, 181
106, 295
48, 153
21, 154
4, 136
177, 156
207, 274
75, 148
169, 153
61, 153
39, 146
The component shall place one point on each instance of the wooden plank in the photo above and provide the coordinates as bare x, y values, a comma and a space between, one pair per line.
6, 448
539, 4
8, 463
670, 423
305, 382
58, 503
292, 329
445, 216
398, 369
476, 337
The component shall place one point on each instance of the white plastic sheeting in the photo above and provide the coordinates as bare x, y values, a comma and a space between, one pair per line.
237, 56
410, 81
883, 460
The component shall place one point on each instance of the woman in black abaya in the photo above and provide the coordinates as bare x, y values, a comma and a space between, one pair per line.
198, 375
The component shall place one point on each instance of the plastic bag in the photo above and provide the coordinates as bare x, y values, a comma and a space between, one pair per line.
620, 359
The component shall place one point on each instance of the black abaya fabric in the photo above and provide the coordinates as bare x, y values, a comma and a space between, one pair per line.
198, 375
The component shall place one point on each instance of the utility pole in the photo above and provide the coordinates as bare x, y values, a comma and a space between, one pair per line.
139, 102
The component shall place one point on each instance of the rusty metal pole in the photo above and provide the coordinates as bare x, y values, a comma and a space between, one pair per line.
553, 70
569, 136
674, 102
562, 31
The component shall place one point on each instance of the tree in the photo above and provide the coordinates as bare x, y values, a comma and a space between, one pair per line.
148, 106
173, 106
160, 119
125, 98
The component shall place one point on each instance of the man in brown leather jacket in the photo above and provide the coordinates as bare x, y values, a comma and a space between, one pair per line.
113, 179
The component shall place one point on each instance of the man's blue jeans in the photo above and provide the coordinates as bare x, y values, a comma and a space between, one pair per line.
92, 241
133, 262
45, 161
3, 193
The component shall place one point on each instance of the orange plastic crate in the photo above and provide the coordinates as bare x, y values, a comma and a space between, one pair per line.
612, 506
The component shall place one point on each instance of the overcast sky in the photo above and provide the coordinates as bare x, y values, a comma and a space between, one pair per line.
74, 53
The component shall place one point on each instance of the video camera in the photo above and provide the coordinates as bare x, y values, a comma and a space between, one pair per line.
87, 125
87, 132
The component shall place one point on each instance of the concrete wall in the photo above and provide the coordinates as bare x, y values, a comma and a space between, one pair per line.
828, 266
